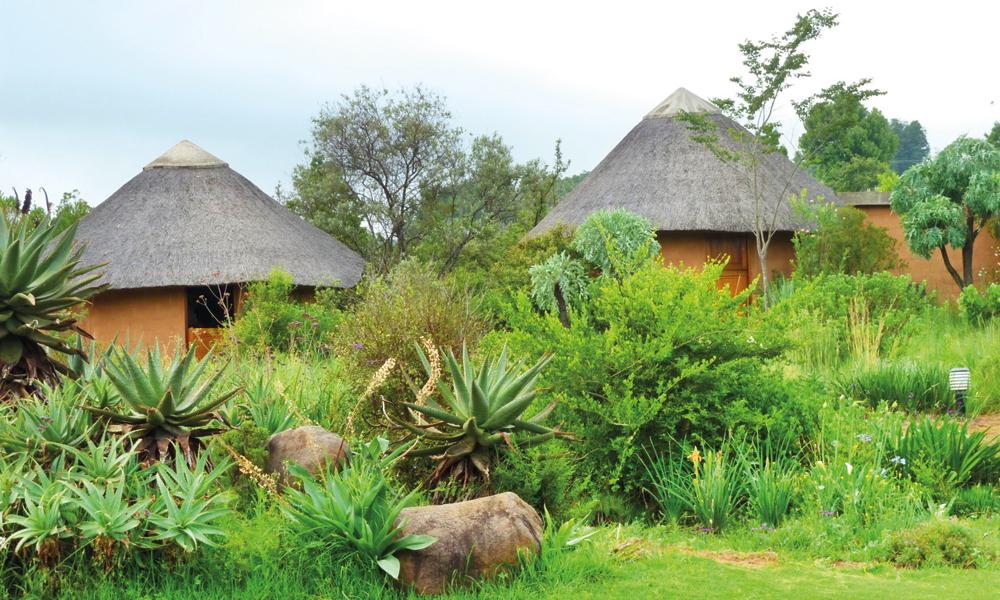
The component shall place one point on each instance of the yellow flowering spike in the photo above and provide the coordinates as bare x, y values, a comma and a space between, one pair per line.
695, 456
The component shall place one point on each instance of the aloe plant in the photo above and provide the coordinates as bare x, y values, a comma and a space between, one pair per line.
41, 282
160, 408
356, 507
42, 425
481, 411
185, 511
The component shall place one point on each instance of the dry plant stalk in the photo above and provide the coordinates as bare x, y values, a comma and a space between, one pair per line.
252, 471
301, 419
434, 357
378, 379
865, 337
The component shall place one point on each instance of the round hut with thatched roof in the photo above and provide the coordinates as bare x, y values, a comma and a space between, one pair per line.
180, 239
701, 207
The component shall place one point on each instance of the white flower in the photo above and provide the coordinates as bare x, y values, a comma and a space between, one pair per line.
849, 468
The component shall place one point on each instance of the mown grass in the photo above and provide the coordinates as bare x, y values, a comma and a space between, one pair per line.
657, 570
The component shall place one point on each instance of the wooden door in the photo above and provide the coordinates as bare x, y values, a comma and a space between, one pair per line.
736, 273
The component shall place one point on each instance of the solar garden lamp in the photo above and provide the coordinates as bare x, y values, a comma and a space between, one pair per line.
958, 379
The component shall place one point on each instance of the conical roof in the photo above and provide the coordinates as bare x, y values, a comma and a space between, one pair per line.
659, 172
188, 219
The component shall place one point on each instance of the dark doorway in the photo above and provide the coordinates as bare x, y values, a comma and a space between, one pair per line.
210, 306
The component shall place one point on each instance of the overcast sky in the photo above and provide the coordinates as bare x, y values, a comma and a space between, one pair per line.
93, 91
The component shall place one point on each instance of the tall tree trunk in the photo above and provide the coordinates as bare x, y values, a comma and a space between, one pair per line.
563, 314
764, 279
947, 264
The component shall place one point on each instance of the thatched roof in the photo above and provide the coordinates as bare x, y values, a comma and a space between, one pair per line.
188, 219
659, 172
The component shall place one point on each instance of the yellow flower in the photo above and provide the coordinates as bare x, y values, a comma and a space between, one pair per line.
695, 456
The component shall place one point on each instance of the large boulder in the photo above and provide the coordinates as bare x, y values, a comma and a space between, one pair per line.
475, 540
312, 447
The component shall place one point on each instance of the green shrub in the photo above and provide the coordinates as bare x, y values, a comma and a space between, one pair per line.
839, 241
660, 355
354, 508
712, 492
274, 321
978, 500
979, 308
397, 310
545, 478
510, 273
250, 442
868, 316
935, 544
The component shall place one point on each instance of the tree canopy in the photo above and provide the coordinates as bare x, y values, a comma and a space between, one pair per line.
913, 146
948, 200
389, 175
846, 144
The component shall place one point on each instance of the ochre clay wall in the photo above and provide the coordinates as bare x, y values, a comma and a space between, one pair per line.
152, 314
933, 271
692, 248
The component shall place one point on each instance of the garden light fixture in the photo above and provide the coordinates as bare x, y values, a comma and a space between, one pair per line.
958, 380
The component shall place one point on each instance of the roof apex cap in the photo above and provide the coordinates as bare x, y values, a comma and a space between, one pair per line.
186, 155
684, 100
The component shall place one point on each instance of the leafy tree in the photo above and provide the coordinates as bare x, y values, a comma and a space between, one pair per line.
487, 198
389, 176
773, 66
845, 143
387, 149
913, 146
948, 200
993, 136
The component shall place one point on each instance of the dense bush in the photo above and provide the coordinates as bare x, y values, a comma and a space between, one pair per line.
868, 316
660, 356
273, 320
935, 543
979, 308
510, 273
838, 241
395, 311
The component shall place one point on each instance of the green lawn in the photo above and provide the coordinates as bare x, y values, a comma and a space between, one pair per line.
585, 575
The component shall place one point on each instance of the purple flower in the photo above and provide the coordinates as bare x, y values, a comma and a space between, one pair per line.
295, 324
357, 346
41, 428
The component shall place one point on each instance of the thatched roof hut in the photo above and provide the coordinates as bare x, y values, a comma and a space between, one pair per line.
659, 172
183, 235
700, 207
188, 219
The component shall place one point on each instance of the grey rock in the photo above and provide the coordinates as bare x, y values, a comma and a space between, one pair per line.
309, 446
476, 540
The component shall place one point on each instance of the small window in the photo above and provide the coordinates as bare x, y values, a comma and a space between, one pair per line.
210, 306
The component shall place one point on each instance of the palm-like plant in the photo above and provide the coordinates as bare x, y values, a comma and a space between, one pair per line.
40, 283
162, 407
481, 411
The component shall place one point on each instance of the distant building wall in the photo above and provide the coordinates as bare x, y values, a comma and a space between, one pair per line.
876, 206
149, 314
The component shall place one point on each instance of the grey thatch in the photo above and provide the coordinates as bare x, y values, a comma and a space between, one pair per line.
659, 172
188, 220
